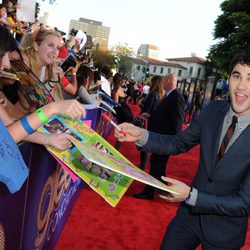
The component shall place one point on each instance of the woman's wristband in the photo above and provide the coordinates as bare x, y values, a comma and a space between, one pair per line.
41, 115
56, 81
28, 129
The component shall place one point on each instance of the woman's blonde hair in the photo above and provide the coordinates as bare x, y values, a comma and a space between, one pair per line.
157, 85
28, 48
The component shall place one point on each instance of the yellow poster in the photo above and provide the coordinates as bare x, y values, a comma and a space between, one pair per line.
109, 184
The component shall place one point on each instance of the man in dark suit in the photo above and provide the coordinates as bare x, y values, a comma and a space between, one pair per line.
214, 210
167, 118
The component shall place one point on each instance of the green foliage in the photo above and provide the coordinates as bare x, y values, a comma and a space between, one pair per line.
125, 65
232, 30
101, 58
123, 54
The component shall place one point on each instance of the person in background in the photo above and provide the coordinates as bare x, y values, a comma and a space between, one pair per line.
3, 18
155, 94
136, 92
97, 79
96, 83
123, 112
40, 50
152, 100
166, 118
214, 209
13, 169
68, 86
144, 93
129, 91
84, 78
106, 79
72, 108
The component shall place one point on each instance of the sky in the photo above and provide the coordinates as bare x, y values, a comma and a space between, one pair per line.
178, 27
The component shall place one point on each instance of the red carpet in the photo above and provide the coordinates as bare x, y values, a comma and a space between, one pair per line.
134, 224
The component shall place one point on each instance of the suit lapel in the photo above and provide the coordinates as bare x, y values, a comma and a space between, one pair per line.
234, 149
217, 129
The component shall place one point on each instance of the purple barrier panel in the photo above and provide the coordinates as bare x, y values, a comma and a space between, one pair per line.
93, 115
99, 124
34, 217
51, 196
12, 210
103, 127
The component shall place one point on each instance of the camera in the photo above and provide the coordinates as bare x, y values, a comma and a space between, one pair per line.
70, 61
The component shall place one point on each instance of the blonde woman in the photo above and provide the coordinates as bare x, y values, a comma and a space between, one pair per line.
25, 128
40, 50
153, 99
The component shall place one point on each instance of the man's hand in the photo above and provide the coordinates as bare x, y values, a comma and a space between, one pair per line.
132, 133
179, 187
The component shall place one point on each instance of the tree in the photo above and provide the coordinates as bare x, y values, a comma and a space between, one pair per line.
102, 58
123, 53
232, 31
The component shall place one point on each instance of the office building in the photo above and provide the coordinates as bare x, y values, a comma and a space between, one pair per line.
150, 51
95, 29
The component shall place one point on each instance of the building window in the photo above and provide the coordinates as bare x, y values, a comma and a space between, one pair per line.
154, 69
169, 70
191, 70
162, 70
138, 67
199, 72
179, 72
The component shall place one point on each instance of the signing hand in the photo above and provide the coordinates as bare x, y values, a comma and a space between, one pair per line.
177, 186
132, 132
59, 141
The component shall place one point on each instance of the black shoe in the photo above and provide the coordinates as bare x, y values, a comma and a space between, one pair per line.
143, 195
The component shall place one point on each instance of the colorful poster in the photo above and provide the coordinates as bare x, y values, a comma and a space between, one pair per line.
112, 163
109, 184
31, 87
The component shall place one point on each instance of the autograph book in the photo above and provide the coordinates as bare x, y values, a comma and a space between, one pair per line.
32, 88
121, 166
109, 184
94, 160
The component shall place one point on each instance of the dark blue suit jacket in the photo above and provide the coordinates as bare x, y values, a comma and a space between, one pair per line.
223, 202
168, 116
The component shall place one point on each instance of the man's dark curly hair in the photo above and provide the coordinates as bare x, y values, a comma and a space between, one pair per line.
242, 57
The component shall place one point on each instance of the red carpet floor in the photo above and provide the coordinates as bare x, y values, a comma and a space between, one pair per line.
133, 224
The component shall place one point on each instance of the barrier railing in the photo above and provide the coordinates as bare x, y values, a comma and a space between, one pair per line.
33, 217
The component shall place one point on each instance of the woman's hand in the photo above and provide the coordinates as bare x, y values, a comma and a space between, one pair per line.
72, 70
59, 141
130, 133
72, 108
57, 72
